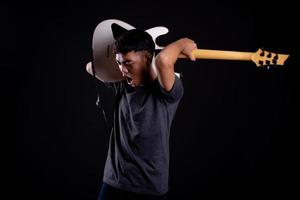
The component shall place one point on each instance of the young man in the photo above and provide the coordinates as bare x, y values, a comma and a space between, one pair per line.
137, 165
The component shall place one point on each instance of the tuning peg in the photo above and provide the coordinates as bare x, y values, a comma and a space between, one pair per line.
269, 55
274, 61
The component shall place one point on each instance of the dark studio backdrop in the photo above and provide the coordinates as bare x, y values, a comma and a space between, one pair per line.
231, 136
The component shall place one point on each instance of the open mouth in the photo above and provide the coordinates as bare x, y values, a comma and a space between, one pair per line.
129, 80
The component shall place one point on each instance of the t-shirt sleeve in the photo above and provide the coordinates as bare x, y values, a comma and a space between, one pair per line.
175, 93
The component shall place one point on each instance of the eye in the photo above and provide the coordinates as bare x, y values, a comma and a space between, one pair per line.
128, 64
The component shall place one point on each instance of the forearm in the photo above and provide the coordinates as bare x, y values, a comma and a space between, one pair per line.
167, 58
170, 53
165, 62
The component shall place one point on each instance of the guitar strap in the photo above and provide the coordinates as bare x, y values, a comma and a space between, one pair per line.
98, 101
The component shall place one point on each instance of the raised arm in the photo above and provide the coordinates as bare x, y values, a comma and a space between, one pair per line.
167, 58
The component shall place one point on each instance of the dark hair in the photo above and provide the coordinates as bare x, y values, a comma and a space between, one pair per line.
134, 40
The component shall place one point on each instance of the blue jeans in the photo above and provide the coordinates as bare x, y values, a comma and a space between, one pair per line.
111, 193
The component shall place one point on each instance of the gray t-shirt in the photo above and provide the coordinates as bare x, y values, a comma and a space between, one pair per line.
138, 155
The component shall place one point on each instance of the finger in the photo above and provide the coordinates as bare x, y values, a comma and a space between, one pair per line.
192, 56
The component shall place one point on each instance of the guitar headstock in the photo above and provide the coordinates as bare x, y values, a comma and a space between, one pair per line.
264, 58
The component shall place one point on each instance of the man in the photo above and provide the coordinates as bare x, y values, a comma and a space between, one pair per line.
137, 165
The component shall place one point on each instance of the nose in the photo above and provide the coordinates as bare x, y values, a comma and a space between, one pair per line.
123, 69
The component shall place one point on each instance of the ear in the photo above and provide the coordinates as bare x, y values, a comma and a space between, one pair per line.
117, 30
148, 56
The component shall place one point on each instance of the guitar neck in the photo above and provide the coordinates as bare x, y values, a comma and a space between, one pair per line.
260, 58
220, 55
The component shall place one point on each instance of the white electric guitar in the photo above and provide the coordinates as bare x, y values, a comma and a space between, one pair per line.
106, 67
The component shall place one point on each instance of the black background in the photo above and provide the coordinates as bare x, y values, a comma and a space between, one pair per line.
232, 135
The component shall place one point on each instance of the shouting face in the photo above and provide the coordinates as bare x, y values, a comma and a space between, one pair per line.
134, 66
